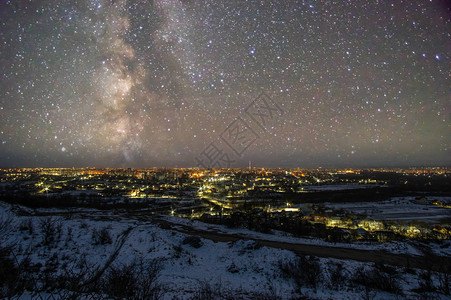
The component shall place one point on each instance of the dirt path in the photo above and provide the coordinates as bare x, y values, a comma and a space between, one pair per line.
433, 262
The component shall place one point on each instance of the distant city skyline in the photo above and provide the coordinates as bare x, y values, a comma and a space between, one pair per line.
286, 84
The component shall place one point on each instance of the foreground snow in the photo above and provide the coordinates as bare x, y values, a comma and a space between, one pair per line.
243, 269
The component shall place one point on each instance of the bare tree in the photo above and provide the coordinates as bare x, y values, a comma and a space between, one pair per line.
48, 229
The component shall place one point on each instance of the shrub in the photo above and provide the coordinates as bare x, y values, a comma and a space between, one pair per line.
193, 241
27, 225
380, 277
9, 273
207, 291
6, 222
253, 245
120, 282
428, 285
337, 276
305, 271
101, 236
15, 275
444, 282
75, 276
48, 230
137, 280
232, 268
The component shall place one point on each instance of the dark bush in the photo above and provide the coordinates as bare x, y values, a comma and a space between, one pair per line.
48, 230
138, 280
207, 291
193, 241
9, 273
77, 278
380, 277
232, 268
337, 276
27, 225
6, 221
254, 245
120, 282
305, 271
444, 285
425, 282
101, 237
428, 285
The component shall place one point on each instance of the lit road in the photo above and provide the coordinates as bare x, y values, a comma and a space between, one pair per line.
216, 202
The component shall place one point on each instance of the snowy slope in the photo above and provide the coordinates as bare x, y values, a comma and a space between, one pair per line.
241, 269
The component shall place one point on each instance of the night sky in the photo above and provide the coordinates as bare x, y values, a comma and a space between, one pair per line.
221, 83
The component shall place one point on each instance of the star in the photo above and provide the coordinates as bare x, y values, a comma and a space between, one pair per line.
153, 83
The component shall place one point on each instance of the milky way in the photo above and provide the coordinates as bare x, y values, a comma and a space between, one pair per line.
220, 83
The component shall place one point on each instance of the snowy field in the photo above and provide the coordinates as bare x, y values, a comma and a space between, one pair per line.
241, 269
399, 208
339, 187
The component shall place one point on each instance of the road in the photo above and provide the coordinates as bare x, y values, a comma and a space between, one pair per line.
215, 201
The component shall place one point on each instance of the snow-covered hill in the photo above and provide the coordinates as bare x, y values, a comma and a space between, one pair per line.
80, 255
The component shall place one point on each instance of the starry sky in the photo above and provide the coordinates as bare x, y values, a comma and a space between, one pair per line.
184, 83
